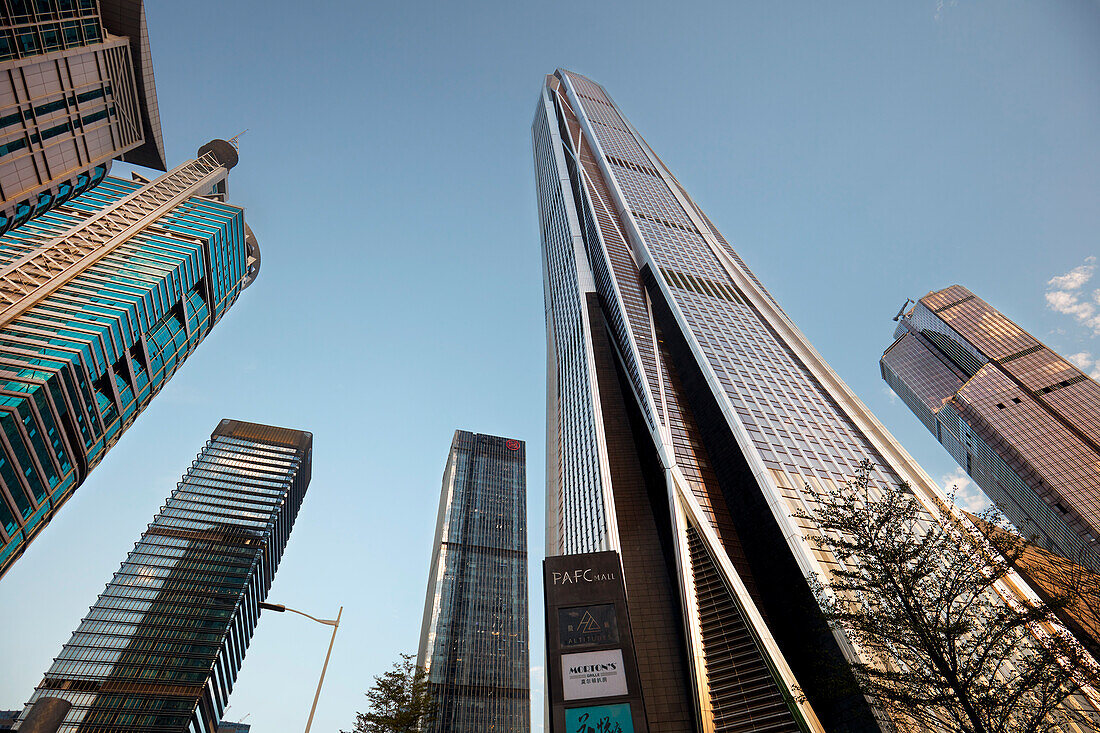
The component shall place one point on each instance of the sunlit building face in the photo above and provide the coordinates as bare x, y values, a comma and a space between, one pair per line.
1022, 421
690, 424
162, 646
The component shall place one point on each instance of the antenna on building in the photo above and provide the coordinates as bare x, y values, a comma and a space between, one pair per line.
234, 141
901, 311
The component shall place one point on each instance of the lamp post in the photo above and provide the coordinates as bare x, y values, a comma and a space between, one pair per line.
335, 624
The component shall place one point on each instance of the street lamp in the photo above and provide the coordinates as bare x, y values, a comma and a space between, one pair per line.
335, 624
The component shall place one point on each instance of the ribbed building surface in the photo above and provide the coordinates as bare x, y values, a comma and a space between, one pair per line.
474, 640
101, 300
76, 91
1022, 421
689, 424
162, 646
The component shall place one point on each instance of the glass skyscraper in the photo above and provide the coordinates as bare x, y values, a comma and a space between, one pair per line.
77, 91
101, 300
1022, 421
161, 647
690, 424
474, 640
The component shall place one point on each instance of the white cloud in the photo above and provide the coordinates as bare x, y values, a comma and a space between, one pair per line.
1063, 301
1075, 278
1064, 296
967, 494
1082, 361
891, 395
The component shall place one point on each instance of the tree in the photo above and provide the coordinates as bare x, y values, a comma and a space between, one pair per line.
940, 650
400, 701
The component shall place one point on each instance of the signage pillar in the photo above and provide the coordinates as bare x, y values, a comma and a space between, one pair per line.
592, 672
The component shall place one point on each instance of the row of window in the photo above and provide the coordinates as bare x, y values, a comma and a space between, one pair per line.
43, 37
54, 106
71, 125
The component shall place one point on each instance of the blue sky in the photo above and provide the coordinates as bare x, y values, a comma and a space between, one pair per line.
855, 153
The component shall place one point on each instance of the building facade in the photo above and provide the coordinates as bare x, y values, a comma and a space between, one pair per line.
101, 300
474, 640
690, 427
1022, 421
76, 92
161, 647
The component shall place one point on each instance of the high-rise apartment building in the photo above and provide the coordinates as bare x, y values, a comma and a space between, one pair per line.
76, 92
101, 300
690, 424
162, 646
1022, 421
474, 640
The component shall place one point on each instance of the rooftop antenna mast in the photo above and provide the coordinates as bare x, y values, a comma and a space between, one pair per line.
901, 311
235, 140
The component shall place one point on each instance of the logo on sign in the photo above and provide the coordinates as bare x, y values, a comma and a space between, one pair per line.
581, 575
587, 625
593, 674
511, 444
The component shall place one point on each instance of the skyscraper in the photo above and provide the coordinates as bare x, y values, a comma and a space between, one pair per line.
161, 647
101, 300
474, 639
690, 423
1022, 421
77, 91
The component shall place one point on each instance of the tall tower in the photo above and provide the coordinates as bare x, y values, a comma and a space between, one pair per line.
161, 647
1019, 418
689, 424
474, 639
101, 300
76, 91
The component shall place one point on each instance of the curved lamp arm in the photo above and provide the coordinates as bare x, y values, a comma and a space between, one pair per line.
335, 624
281, 608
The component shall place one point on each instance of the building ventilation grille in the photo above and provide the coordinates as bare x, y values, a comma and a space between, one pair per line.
1063, 384
942, 308
702, 286
636, 167
743, 694
667, 223
1019, 354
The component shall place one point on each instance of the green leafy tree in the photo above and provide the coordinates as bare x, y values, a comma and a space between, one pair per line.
399, 701
941, 650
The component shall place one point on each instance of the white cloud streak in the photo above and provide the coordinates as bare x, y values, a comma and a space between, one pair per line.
1064, 296
1082, 360
1075, 278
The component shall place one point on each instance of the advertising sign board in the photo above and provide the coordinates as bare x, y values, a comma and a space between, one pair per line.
600, 719
593, 674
